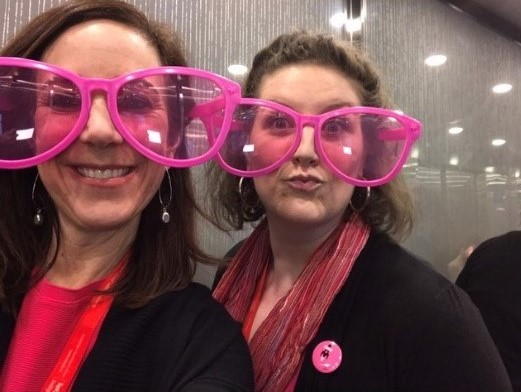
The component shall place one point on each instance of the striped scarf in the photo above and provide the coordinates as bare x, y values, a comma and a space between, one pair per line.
293, 322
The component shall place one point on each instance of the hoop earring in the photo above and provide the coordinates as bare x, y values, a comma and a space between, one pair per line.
38, 217
366, 200
165, 215
243, 195
239, 189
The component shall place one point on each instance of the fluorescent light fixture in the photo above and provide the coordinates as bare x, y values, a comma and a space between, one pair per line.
455, 130
338, 19
237, 69
454, 161
498, 142
436, 60
24, 134
415, 153
517, 173
502, 88
490, 169
154, 136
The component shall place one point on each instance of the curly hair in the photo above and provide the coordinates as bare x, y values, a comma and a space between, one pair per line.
389, 207
164, 256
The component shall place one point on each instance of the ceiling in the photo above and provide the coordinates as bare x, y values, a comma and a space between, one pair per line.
503, 16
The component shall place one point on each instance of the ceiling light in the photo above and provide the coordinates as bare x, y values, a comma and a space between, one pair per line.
498, 142
489, 169
415, 153
435, 60
502, 88
237, 69
455, 130
454, 161
517, 173
338, 19
353, 25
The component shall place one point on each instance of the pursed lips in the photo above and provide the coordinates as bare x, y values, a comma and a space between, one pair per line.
305, 179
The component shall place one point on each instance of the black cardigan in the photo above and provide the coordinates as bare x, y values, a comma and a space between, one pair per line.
403, 327
180, 341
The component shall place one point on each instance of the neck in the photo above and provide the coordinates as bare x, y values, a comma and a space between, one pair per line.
292, 246
82, 260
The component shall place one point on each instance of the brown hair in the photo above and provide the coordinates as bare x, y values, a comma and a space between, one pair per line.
164, 256
389, 207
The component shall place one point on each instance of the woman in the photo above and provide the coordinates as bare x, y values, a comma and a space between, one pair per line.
328, 300
97, 243
491, 278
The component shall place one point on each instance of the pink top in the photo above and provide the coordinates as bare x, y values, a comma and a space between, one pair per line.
46, 320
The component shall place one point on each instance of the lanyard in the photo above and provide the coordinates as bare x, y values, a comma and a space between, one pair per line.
75, 351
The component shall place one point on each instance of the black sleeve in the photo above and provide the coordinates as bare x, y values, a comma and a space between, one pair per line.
216, 354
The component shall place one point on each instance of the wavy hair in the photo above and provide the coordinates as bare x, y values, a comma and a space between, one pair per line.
164, 256
389, 207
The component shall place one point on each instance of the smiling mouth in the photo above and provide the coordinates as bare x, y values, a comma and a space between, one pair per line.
103, 174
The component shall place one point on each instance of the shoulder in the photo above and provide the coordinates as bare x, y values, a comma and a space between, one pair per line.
387, 267
494, 265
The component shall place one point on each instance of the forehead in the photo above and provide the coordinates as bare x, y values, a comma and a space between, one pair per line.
306, 87
102, 48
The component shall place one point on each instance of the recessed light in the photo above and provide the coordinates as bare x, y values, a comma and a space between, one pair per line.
517, 173
237, 69
498, 142
490, 169
435, 60
338, 19
455, 130
353, 25
454, 161
415, 153
502, 88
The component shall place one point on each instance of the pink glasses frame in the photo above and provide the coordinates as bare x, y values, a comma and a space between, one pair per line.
412, 127
230, 89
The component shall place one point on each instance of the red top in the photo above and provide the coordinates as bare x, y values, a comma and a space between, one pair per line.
47, 318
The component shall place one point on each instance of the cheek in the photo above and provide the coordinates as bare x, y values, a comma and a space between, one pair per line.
268, 149
151, 131
50, 129
347, 156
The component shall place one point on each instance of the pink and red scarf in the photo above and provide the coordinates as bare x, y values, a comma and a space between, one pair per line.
279, 342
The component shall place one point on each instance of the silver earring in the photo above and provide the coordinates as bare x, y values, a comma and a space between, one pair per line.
165, 215
366, 200
38, 217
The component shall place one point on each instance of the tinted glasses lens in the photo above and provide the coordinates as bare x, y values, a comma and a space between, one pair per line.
259, 137
175, 116
37, 110
362, 145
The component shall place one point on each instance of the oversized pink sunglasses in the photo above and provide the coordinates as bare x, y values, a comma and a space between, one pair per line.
364, 146
165, 113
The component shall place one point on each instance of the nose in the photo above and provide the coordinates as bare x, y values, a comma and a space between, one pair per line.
99, 129
306, 154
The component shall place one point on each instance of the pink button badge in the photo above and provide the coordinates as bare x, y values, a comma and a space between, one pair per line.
327, 356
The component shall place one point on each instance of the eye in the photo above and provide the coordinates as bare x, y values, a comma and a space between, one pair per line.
138, 97
278, 123
336, 126
60, 98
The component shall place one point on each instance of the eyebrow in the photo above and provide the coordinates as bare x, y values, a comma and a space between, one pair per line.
328, 108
